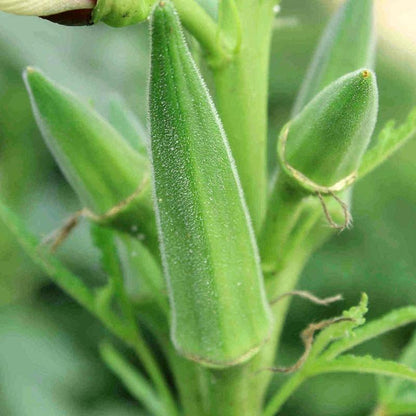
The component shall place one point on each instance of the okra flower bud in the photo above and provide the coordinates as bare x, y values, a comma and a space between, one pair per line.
71, 12
111, 179
77, 12
321, 148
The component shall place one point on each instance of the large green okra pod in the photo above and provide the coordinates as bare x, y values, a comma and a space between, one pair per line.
219, 312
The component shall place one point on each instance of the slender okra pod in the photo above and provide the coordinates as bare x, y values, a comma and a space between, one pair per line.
219, 312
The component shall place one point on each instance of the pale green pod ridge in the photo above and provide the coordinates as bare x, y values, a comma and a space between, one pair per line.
220, 316
119, 13
347, 44
323, 146
111, 179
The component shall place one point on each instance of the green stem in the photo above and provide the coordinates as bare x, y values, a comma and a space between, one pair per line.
283, 394
138, 343
134, 382
241, 98
152, 367
284, 208
202, 27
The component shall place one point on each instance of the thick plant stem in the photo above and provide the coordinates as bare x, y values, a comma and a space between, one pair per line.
284, 208
241, 98
202, 27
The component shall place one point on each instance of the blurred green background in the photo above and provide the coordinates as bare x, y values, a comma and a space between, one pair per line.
48, 345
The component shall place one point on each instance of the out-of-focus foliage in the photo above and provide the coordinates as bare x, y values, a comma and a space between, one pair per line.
48, 343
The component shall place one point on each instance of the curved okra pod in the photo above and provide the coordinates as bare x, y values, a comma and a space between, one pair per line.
347, 44
219, 312
111, 179
321, 148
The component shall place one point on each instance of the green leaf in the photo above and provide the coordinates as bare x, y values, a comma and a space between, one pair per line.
358, 364
65, 279
390, 139
397, 395
347, 44
135, 383
322, 147
392, 320
111, 179
344, 329
220, 315
129, 126
41, 256
400, 408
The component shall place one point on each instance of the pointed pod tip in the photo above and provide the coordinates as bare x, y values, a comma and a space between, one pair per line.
27, 72
162, 6
30, 70
365, 73
30, 74
365, 76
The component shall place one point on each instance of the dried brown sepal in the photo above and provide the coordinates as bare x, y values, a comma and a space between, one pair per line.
81, 17
307, 337
309, 296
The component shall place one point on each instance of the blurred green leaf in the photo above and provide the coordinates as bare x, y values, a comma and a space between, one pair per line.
136, 384
41, 371
49, 263
389, 140
399, 396
366, 364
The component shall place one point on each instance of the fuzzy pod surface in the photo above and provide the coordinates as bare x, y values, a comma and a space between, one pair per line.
220, 316
325, 143
111, 179
347, 44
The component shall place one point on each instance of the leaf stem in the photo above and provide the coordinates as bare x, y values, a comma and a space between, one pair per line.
203, 28
283, 394
138, 343
241, 98
134, 382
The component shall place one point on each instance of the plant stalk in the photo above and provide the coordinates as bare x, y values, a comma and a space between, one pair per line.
241, 98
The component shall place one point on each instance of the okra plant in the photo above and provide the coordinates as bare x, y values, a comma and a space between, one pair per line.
189, 208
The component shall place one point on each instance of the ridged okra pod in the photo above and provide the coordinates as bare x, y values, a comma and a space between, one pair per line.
347, 44
220, 316
111, 179
323, 146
